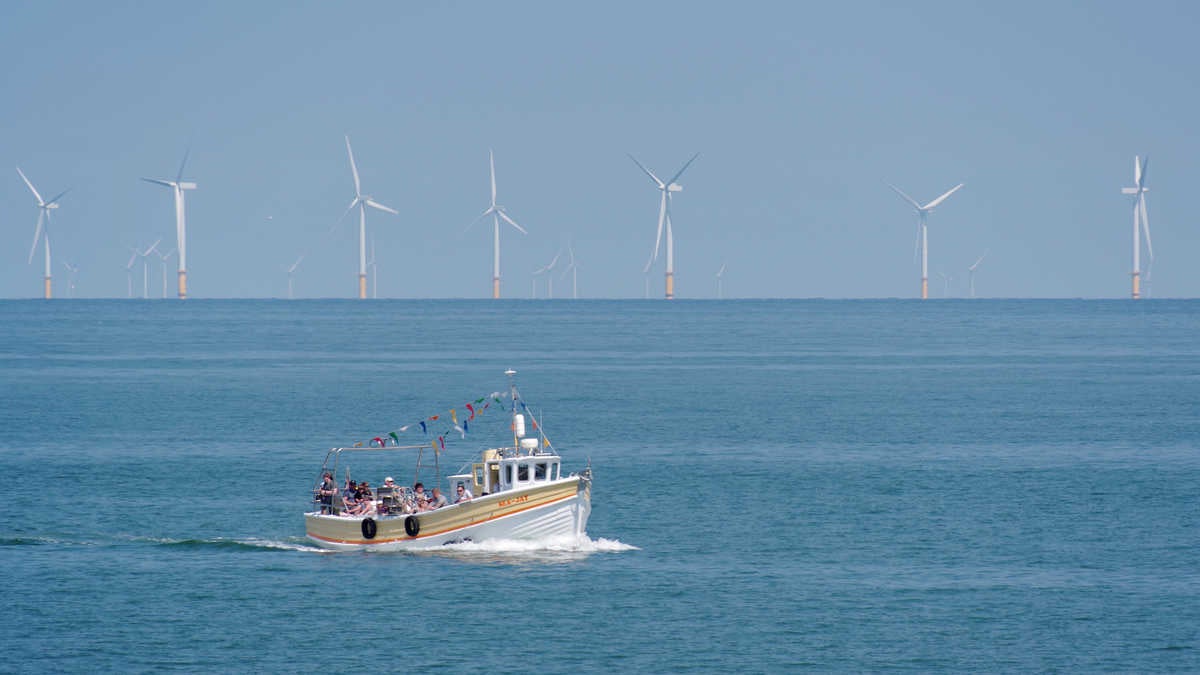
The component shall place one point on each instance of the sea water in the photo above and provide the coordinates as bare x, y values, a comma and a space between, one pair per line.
779, 485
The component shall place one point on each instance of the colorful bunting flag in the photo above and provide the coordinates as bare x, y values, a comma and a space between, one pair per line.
472, 409
395, 437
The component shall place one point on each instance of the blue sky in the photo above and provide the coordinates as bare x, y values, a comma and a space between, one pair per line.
801, 113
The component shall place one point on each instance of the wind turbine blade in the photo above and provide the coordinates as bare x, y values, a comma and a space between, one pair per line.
1141, 181
37, 234
1137, 171
353, 168
1146, 223
650, 173
685, 166
160, 181
354, 202
376, 205
132, 258
179, 176
510, 221
54, 200
492, 165
908, 199
153, 247
480, 217
31, 188
721, 271
662, 215
941, 199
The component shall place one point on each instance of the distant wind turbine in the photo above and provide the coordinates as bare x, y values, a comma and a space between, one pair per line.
291, 271
946, 279
43, 227
971, 271
146, 267
548, 271
178, 187
720, 275
664, 216
1141, 222
362, 202
163, 257
129, 271
572, 268
73, 272
922, 235
497, 213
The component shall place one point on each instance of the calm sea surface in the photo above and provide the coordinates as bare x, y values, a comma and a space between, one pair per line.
779, 485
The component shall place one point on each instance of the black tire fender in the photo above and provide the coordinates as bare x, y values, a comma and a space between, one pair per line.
369, 528
412, 526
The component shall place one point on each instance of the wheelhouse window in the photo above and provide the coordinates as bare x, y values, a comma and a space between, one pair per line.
539, 471
522, 472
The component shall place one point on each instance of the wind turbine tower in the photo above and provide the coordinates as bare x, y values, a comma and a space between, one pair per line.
362, 202
497, 213
664, 216
1141, 221
43, 227
922, 233
720, 279
179, 187
971, 272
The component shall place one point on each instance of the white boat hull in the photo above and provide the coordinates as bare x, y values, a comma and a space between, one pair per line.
555, 509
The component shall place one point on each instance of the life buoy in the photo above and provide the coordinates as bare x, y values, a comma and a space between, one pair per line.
412, 526
369, 528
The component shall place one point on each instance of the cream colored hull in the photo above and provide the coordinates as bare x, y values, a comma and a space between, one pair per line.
550, 509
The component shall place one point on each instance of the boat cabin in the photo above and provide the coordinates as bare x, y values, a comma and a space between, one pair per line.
503, 469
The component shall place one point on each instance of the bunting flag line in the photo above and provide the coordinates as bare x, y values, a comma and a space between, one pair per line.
461, 426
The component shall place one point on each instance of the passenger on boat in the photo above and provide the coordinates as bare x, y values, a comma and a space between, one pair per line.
422, 498
464, 495
326, 492
439, 500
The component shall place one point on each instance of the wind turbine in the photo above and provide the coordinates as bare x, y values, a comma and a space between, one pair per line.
362, 202
573, 269
146, 267
43, 226
163, 257
74, 271
922, 234
178, 187
945, 284
720, 289
547, 270
971, 271
129, 271
497, 213
290, 272
1141, 222
664, 216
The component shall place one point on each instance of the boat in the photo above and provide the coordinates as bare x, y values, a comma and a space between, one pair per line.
514, 492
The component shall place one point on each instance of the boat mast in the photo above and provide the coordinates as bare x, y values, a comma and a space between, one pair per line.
512, 391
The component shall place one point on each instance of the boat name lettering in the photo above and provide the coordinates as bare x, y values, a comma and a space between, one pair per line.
514, 500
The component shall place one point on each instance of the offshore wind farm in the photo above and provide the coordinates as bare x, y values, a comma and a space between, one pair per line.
795, 149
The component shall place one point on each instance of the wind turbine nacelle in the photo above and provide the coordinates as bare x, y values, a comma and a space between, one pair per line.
187, 186
1129, 191
674, 187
